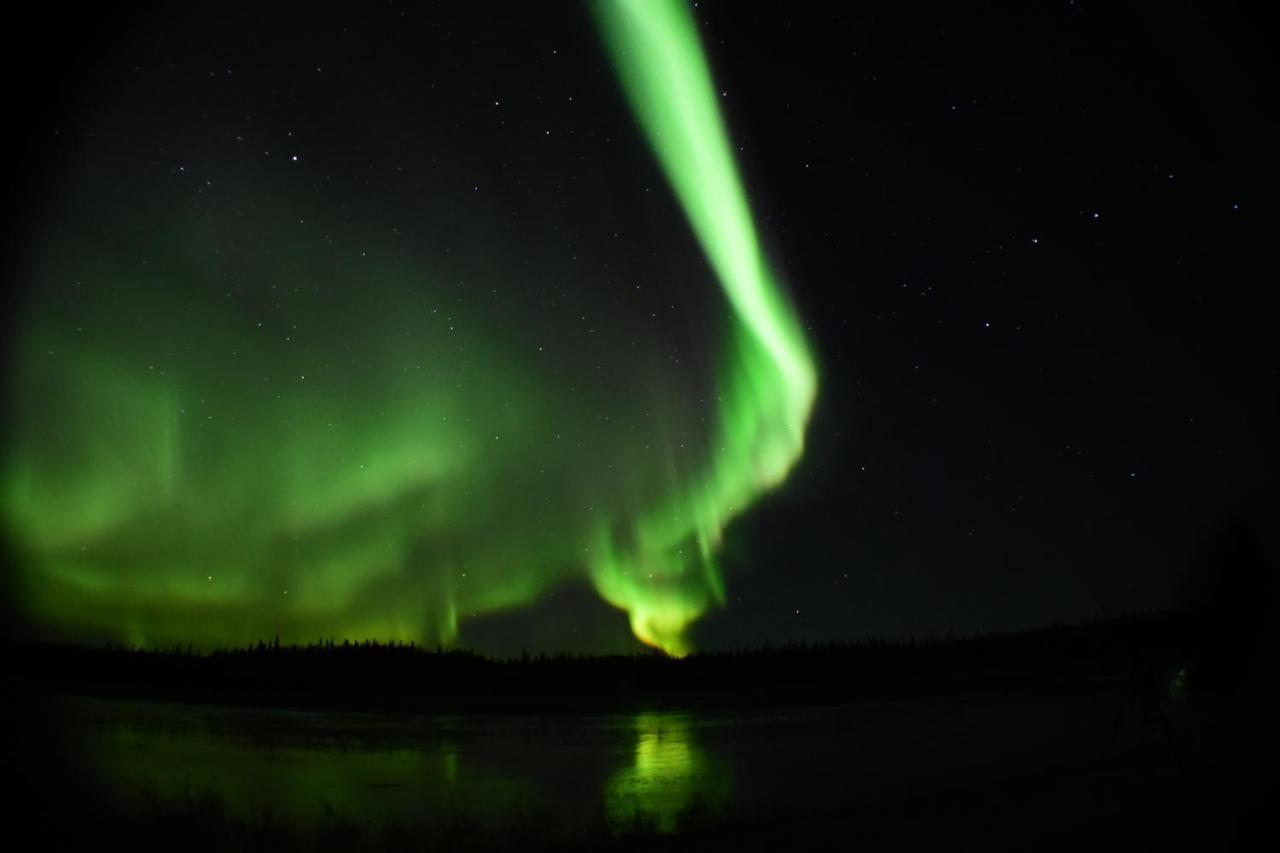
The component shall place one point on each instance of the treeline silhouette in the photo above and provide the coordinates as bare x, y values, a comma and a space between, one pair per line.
375, 675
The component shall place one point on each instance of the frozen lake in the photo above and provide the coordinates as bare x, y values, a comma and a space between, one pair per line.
581, 770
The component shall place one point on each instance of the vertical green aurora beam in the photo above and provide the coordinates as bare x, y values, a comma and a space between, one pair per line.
769, 383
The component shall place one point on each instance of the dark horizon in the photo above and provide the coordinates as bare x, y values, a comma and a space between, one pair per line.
1158, 656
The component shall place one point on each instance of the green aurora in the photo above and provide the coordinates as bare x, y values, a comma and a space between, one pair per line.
337, 447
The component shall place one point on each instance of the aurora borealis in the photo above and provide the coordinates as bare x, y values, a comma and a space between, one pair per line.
768, 380
229, 424
538, 327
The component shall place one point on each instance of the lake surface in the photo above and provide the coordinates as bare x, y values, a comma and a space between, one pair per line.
582, 769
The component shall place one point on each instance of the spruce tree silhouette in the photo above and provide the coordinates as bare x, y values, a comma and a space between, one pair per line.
1229, 594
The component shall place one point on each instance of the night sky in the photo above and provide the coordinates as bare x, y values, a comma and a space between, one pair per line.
444, 322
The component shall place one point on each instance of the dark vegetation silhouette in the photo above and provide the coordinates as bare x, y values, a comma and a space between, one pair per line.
1228, 598
387, 676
